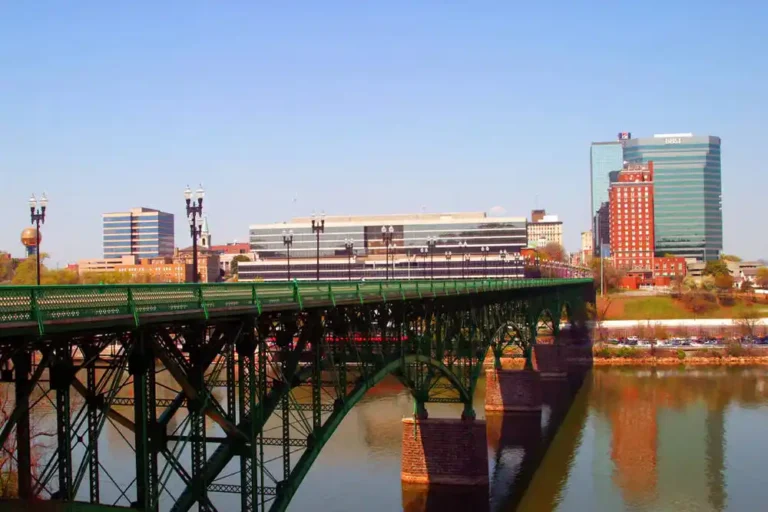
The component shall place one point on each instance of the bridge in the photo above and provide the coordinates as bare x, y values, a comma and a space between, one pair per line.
227, 393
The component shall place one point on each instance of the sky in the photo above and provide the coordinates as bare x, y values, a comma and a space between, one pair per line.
283, 108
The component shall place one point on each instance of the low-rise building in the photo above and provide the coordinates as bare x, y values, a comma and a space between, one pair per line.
103, 264
163, 270
208, 267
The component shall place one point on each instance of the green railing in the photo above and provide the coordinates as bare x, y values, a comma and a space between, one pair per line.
22, 307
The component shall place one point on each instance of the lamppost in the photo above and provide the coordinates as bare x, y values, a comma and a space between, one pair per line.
464, 255
288, 242
484, 249
38, 217
386, 237
448, 255
431, 244
423, 252
518, 260
193, 212
503, 257
318, 226
349, 246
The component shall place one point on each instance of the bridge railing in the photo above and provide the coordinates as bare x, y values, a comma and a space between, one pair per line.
78, 303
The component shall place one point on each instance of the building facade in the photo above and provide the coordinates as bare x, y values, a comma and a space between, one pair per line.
604, 158
547, 230
142, 232
421, 246
208, 264
688, 192
156, 270
630, 200
587, 246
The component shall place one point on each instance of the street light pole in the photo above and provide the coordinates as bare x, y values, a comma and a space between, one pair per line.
318, 226
503, 258
423, 252
349, 245
448, 255
38, 217
193, 212
463, 246
518, 259
484, 249
431, 244
387, 234
288, 242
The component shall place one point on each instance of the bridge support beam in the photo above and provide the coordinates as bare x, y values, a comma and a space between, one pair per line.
513, 401
439, 452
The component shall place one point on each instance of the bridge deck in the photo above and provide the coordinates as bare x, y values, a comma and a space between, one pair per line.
38, 310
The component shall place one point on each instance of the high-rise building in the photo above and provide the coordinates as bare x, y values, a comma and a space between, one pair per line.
143, 232
688, 192
602, 236
538, 215
631, 217
604, 157
587, 246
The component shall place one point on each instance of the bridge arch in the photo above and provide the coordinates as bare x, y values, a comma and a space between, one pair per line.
331, 423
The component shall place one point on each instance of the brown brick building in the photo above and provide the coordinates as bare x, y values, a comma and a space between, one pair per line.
163, 270
630, 198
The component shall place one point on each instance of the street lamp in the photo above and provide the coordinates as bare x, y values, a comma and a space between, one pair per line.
518, 260
503, 257
318, 226
386, 237
349, 246
485, 249
288, 242
464, 256
431, 244
193, 212
38, 217
423, 252
448, 255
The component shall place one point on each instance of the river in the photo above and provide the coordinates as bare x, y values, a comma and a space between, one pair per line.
637, 439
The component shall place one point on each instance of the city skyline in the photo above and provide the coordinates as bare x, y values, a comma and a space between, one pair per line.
111, 111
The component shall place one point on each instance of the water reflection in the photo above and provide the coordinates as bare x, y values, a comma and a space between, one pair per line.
633, 439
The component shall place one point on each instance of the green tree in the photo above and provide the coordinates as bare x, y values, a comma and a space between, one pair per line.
762, 277
26, 271
716, 268
6, 267
235, 263
730, 257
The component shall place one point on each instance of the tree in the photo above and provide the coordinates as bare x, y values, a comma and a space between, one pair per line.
746, 286
730, 257
552, 251
715, 268
26, 271
598, 314
761, 278
724, 282
612, 274
235, 263
747, 318
698, 302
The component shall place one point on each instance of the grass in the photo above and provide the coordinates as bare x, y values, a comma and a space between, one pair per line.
662, 308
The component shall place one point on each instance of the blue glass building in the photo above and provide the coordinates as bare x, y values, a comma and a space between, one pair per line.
687, 192
143, 232
604, 158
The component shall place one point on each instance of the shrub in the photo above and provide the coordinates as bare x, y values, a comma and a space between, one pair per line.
628, 352
681, 354
727, 299
602, 352
735, 350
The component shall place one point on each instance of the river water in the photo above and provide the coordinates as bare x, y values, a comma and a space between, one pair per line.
636, 439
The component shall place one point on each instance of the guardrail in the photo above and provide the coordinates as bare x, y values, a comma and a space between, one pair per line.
42, 305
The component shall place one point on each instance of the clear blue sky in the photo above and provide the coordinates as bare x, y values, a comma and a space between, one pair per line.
353, 107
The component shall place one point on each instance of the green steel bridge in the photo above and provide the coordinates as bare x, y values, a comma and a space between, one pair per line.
226, 393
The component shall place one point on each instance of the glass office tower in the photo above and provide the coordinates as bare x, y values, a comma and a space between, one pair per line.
143, 232
687, 192
604, 158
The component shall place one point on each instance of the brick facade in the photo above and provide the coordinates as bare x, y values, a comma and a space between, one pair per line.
551, 360
444, 452
632, 235
512, 391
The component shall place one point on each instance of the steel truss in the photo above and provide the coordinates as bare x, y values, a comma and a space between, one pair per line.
244, 404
